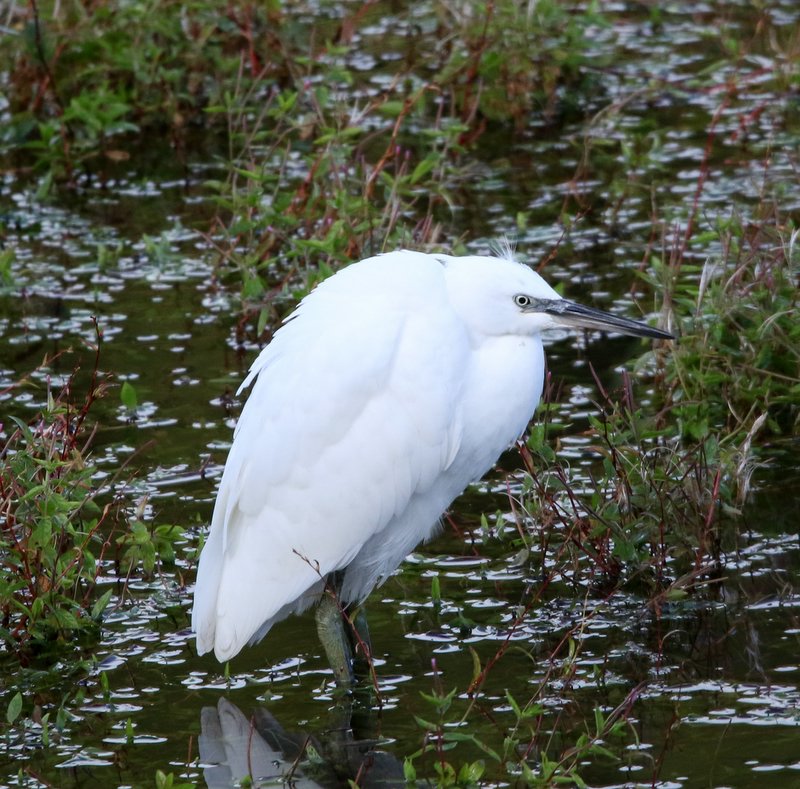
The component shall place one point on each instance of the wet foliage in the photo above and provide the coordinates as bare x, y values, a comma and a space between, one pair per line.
616, 605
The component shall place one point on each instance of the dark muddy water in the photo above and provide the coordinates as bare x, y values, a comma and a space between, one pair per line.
716, 679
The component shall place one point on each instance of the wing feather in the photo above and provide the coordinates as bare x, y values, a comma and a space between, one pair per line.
351, 421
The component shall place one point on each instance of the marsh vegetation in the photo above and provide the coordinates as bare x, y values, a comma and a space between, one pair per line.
617, 603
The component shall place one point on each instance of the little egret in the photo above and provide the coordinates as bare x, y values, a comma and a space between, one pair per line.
394, 384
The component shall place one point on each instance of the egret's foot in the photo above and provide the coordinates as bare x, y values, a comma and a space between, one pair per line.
333, 633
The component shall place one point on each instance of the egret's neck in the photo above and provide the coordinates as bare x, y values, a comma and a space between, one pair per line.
506, 381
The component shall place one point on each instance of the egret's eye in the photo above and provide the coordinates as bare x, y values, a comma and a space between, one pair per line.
522, 301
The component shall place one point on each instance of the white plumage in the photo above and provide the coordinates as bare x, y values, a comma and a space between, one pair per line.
392, 386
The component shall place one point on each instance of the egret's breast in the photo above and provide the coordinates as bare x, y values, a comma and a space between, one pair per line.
504, 386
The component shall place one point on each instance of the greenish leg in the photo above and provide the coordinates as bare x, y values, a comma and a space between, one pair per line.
359, 641
333, 634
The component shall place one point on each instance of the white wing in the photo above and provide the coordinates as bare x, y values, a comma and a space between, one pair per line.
352, 421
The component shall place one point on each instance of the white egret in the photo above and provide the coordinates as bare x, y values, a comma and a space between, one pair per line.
395, 384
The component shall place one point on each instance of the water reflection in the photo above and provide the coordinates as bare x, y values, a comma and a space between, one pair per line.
235, 747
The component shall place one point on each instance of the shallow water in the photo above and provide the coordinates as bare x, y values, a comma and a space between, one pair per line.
715, 679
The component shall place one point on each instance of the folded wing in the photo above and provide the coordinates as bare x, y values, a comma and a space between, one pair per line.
353, 417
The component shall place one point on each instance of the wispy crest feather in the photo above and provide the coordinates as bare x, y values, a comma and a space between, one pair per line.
504, 248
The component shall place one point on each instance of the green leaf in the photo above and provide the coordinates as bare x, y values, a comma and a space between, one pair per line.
127, 394
676, 594
423, 724
46, 730
457, 736
599, 721
476, 664
14, 708
263, 316
471, 773
423, 168
100, 605
391, 108
436, 592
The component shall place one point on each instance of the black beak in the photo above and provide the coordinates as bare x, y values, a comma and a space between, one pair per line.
569, 313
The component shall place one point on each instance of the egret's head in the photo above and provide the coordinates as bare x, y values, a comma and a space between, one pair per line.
498, 296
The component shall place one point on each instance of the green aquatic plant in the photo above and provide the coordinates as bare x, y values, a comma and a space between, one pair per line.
736, 369
649, 498
52, 527
540, 747
81, 76
505, 59
60, 530
304, 196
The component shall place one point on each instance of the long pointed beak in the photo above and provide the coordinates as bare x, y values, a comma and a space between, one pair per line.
570, 313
